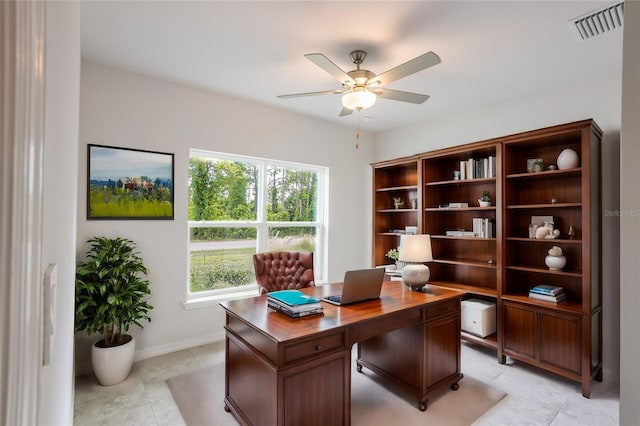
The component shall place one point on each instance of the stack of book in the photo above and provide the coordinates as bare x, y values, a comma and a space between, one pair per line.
475, 168
293, 303
549, 293
483, 227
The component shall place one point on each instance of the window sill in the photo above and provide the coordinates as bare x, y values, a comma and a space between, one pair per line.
207, 301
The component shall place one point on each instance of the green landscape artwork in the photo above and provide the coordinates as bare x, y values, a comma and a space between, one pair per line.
125, 183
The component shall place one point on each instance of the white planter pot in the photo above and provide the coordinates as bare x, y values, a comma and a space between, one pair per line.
555, 263
112, 365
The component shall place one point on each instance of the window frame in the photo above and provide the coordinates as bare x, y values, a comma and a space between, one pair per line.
260, 224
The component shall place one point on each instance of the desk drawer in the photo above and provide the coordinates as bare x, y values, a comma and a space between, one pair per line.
441, 309
315, 346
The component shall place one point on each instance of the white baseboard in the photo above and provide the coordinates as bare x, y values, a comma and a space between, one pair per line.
84, 367
178, 346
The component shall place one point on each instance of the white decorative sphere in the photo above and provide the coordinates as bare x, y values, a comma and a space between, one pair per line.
555, 263
568, 159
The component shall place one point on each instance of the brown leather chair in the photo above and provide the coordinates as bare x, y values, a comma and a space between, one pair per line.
283, 270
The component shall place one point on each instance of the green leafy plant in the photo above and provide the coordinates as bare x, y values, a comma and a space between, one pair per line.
485, 196
393, 254
111, 290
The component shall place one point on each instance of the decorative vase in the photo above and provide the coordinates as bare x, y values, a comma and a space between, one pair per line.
568, 159
415, 275
112, 365
555, 263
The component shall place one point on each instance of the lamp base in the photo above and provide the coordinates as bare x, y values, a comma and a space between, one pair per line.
415, 276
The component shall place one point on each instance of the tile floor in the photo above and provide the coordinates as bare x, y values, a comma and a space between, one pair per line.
534, 397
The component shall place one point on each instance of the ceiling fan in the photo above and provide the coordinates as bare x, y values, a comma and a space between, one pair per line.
361, 87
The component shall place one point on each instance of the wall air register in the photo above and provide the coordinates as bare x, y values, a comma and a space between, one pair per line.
598, 22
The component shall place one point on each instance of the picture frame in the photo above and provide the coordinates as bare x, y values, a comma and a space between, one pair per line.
129, 184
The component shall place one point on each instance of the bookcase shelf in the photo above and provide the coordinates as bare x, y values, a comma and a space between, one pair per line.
398, 188
451, 237
565, 337
476, 181
544, 271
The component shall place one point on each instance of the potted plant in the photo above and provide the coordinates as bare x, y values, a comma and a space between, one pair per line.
111, 295
394, 255
485, 199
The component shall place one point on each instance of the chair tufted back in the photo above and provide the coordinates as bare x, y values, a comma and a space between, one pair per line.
283, 270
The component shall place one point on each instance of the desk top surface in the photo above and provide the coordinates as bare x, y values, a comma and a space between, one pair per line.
394, 297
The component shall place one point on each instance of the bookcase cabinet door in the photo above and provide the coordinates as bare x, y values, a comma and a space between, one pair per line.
560, 341
543, 336
519, 331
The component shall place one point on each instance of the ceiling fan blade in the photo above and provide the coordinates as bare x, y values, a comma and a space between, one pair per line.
397, 95
345, 111
419, 63
324, 92
323, 62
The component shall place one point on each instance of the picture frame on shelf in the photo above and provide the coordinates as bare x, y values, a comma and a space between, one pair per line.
129, 184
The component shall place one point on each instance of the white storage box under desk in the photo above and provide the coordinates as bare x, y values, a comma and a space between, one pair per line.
478, 317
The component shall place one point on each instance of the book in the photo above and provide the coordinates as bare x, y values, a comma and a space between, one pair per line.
482, 227
463, 170
458, 205
459, 233
292, 297
547, 289
295, 308
560, 297
487, 228
282, 309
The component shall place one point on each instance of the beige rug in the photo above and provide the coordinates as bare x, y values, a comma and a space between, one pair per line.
199, 396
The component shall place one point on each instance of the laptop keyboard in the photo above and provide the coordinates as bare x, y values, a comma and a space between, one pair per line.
335, 298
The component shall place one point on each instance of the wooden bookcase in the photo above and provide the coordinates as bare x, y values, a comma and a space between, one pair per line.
397, 179
564, 338
468, 263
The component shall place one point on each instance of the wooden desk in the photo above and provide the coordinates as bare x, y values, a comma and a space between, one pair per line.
283, 371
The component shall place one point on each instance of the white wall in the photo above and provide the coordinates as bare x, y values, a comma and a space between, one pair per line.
125, 109
600, 100
630, 221
62, 79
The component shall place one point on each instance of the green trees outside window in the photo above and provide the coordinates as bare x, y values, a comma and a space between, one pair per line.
240, 206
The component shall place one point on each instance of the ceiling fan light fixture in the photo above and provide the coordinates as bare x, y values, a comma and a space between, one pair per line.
358, 99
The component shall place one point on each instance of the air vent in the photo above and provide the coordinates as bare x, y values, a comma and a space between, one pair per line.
598, 22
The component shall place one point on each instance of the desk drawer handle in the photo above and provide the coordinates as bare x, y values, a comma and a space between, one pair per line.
318, 347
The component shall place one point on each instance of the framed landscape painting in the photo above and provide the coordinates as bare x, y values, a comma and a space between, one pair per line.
125, 183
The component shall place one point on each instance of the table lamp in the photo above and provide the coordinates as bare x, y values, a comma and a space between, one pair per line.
414, 250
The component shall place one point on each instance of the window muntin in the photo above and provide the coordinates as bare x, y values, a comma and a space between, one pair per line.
239, 206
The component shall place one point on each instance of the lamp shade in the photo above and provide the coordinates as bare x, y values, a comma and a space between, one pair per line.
359, 98
415, 248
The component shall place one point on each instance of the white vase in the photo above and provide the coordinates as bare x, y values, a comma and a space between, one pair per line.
555, 263
568, 159
112, 365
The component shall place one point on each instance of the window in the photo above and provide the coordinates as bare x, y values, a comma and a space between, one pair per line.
239, 206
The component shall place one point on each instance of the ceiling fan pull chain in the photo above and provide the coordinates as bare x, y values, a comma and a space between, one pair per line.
358, 131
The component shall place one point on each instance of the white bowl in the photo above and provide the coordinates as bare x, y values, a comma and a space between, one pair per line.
555, 263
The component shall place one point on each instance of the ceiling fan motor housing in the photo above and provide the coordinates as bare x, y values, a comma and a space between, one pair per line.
361, 76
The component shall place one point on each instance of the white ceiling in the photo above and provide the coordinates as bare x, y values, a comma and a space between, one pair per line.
490, 51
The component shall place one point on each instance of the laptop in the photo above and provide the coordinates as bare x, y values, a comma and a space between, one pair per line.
359, 286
